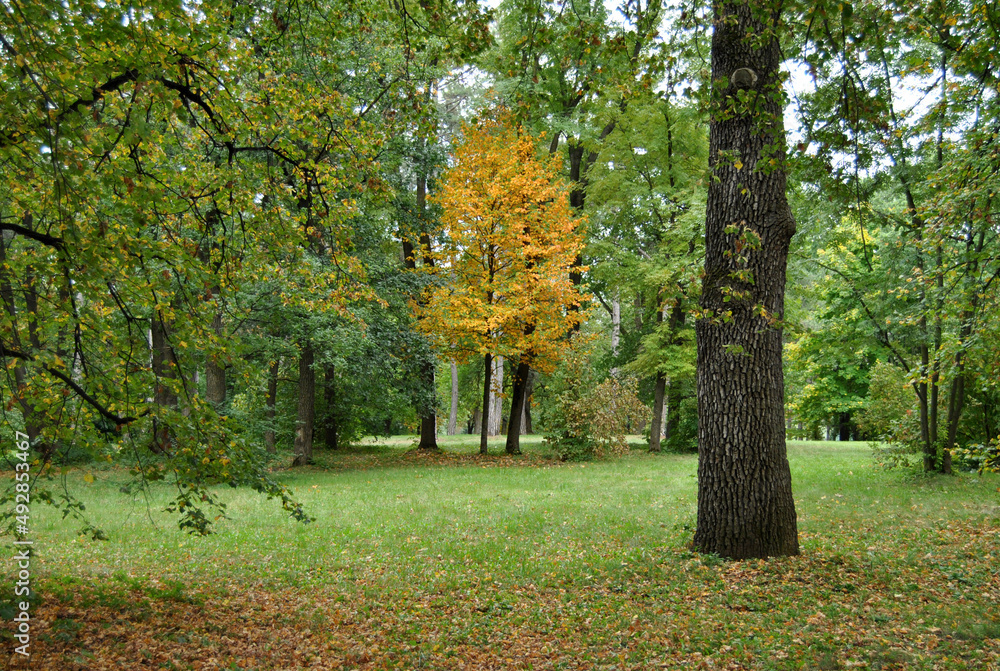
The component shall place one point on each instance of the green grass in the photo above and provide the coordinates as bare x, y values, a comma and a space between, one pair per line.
430, 560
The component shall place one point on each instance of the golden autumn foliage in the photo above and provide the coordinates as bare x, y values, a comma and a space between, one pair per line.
509, 237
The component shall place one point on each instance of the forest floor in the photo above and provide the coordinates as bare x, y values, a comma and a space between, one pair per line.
456, 561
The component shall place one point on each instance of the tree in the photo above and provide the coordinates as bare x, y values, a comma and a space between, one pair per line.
164, 172
507, 243
745, 506
919, 183
646, 232
306, 406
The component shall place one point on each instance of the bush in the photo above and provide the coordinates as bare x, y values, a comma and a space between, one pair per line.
585, 420
979, 458
888, 413
888, 417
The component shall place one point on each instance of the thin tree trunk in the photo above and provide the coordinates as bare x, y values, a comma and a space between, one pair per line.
745, 504
844, 421
577, 196
989, 408
453, 411
331, 433
428, 417
485, 419
215, 370
45, 448
663, 423
935, 434
303, 447
32, 423
616, 330
269, 406
496, 398
526, 408
956, 399
927, 445
673, 404
164, 365
517, 406
658, 392
655, 427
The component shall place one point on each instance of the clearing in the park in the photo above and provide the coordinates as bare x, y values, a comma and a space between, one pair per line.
454, 561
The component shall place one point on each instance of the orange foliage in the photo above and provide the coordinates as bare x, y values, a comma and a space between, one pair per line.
509, 237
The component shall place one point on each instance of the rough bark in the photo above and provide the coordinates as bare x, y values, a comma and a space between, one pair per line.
453, 410
303, 447
428, 431
745, 505
269, 405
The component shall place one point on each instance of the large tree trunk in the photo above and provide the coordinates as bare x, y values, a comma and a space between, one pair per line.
745, 505
269, 405
428, 418
485, 419
303, 447
453, 410
496, 398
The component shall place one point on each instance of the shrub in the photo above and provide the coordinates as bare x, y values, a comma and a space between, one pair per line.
888, 416
979, 458
586, 422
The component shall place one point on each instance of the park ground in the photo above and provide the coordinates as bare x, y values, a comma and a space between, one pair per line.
456, 561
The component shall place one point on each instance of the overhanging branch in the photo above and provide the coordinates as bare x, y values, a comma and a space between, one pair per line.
65, 379
43, 238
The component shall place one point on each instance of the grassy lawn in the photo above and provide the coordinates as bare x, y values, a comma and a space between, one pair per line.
454, 561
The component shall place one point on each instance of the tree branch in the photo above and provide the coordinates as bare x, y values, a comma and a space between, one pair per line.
49, 240
93, 402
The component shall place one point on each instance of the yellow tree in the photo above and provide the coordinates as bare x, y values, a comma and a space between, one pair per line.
508, 240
